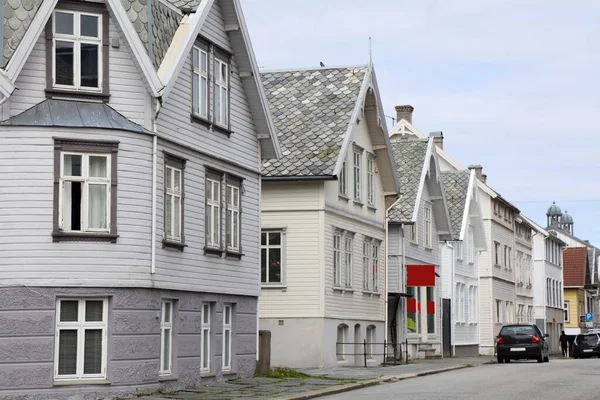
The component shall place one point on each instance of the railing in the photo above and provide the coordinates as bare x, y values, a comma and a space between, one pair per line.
393, 353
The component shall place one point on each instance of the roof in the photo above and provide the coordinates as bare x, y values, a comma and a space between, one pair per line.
409, 155
456, 185
165, 24
311, 110
554, 210
17, 18
74, 114
574, 266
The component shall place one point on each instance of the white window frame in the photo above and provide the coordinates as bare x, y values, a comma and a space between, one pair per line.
347, 253
205, 338
567, 311
81, 325
374, 268
499, 311
413, 232
77, 40
343, 183
233, 211
471, 245
203, 76
366, 263
86, 180
428, 225
357, 161
174, 196
227, 327
337, 259
458, 249
213, 239
221, 86
268, 247
370, 338
341, 346
497, 249
370, 180
166, 328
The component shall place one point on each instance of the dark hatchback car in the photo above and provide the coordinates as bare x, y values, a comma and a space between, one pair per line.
586, 345
521, 342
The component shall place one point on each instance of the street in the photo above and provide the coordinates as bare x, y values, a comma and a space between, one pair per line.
559, 379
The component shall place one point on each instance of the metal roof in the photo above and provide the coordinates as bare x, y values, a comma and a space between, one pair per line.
74, 114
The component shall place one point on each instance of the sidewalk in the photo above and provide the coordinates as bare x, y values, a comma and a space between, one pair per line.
319, 382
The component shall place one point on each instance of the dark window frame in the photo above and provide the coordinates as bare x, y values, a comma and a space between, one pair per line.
179, 163
85, 146
51, 91
224, 178
214, 52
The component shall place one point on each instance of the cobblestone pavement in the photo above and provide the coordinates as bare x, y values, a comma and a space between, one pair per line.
322, 381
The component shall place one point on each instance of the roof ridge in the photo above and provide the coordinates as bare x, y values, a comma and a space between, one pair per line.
336, 67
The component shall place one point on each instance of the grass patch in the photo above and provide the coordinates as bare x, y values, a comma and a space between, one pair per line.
281, 372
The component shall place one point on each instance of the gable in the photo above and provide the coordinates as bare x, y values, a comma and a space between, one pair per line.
456, 187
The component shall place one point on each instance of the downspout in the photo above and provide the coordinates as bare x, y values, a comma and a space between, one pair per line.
452, 298
154, 166
403, 281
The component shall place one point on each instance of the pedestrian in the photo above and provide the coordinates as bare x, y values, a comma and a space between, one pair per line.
564, 342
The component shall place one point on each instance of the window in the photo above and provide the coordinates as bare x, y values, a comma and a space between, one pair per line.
496, 253
173, 198
233, 213
498, 311
77, 61
370, 181
213, 211
508, 261
200, 79
473, 314
375, 267
337, 259
348, 260
205, 338
357, 172
414, 237
413, 321
343, 183
430, 310
85, 190
471, 245
458, 246
221, 92
80, 349
342, 333
271, 257
366, 263
166, 337
370, 341
428, 226
227, 323
567, 311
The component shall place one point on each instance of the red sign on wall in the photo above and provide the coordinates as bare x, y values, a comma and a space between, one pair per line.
420, 275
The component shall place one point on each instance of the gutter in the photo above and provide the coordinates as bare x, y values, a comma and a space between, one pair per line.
300, 178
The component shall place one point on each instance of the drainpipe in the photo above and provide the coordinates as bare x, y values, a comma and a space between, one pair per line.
154, 166
403, 288
452, 297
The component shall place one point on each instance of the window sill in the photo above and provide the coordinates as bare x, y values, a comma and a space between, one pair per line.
372, 208
371, 294
358, 202
497, 265
207, 374
234, 254
343, 197
84, 237
342, 290
213, 127
213, 250
173, 244
428, 248
166, 378
228, 373
78, 94
222, 129
73, 382
283, 288
414, 243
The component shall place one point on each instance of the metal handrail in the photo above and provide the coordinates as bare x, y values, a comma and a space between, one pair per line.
367, 352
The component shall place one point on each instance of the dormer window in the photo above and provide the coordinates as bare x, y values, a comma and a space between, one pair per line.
77, 50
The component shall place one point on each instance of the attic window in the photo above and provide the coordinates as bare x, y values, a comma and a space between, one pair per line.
77, 50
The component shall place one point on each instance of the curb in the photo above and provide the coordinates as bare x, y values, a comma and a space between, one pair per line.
372, 382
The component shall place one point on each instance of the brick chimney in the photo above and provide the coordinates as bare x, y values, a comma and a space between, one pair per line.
478, 172
404, 112
438, 139
484, 178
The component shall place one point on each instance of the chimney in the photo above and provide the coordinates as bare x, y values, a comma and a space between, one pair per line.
404, 112
438, 139
478, 172
484, 178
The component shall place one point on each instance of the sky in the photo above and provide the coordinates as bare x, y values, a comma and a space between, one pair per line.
513, 85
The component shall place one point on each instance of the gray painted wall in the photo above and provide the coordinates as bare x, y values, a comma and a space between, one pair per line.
27, 337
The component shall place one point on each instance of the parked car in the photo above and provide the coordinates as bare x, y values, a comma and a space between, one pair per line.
521, 342
586, 345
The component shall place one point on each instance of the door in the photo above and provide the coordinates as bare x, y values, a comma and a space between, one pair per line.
447, 327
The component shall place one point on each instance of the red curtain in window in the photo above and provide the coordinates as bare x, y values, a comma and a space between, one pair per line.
431, 307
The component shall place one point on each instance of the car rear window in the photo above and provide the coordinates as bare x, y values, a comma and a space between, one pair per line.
518, 330
587, 339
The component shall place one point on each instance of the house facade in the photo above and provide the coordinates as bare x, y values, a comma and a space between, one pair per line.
460, 264
576, 278
524, 270
323, 214
548, 284
418, 222
129, 250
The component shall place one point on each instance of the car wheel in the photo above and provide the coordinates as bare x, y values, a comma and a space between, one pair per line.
499, 360
540, 359
507, 360
547, 359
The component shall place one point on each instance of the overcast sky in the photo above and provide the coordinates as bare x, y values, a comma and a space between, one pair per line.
513, 85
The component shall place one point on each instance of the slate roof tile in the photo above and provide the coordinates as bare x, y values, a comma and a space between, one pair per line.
165, 24
409, 155
311, 110
456, 184
574, 266
18, 15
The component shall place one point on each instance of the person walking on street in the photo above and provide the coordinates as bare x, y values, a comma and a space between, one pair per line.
564, 342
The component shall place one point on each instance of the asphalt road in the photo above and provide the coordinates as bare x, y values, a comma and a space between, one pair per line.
558, 379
